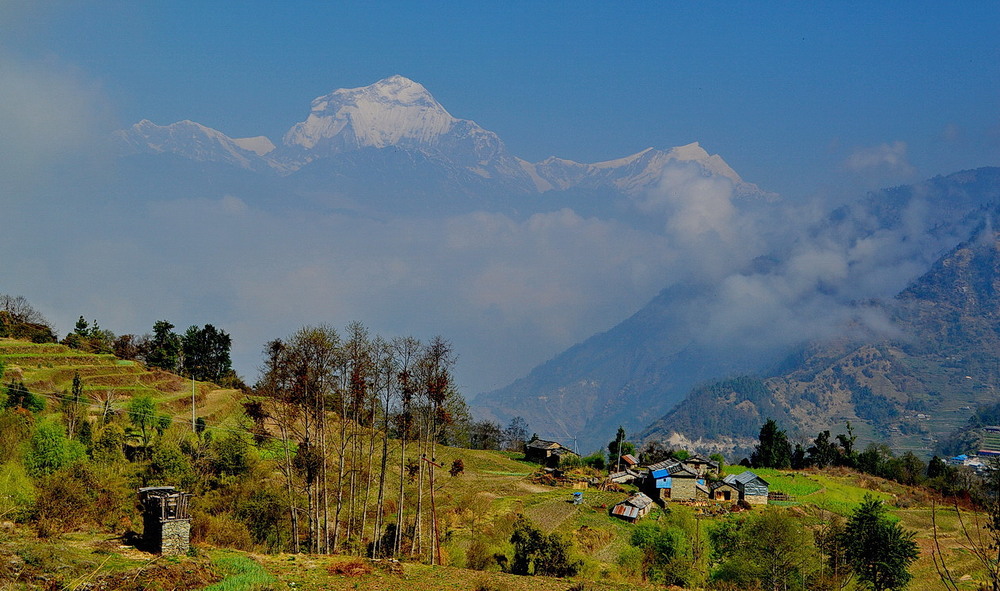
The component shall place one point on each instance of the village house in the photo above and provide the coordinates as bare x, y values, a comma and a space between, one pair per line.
702, 466
724, 491
547, 453
752, 488
633, 508
624, 477
671, 480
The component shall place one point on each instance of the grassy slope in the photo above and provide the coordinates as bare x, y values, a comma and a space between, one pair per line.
480, 504
48, 370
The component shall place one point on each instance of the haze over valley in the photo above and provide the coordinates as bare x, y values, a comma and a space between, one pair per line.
594, 246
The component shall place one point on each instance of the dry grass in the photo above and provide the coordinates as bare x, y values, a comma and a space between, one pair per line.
353, 567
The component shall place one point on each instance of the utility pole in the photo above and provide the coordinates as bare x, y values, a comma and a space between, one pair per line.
618, 466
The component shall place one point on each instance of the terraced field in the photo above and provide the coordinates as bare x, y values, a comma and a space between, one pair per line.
48, 369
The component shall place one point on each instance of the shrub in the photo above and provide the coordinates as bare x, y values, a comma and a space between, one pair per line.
222, 530
538, 554
594, 460
169, 466
15, 428
17, 492
49, 450
57, 509
79, 495
354, 567
478, 556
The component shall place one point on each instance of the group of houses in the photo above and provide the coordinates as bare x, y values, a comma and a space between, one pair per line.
694, 479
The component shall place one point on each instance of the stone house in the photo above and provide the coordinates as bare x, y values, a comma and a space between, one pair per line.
547, 453
724, 491
633, 508
671, 480
166, 522
752, 488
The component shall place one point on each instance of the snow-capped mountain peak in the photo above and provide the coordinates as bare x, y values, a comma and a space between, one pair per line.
397, 121
394, 111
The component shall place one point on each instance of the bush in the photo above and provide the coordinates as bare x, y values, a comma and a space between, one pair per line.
594, 460
353, 567
15, 428
17, 492
57, 509
233, 455
538, 554
169, 466
79, 495
223, 530
49, 450
478, 556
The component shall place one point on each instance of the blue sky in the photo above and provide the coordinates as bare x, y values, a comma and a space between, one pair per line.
785, 92
815, 101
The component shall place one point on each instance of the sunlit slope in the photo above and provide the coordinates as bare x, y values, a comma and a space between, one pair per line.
47, 370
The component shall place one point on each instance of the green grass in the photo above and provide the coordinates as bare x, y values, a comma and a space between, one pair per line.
241, 572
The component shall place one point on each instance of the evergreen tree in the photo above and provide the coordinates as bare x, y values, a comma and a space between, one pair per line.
618, 447
206, 353
879, 550
774, 450
164, 348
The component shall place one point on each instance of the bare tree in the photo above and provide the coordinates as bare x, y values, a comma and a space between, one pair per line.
407, 349
297, 379
20, 310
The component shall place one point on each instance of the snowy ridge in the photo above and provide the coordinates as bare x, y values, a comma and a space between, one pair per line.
632, 174
191, 140
399, 114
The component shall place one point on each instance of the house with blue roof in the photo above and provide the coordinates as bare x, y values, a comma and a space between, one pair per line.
673, 480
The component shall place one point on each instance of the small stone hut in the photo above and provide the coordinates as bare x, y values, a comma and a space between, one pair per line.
671, 480
753, 489
166, 522
633, 508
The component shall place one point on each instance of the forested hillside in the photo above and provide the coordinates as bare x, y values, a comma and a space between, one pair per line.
805, 298
909, 387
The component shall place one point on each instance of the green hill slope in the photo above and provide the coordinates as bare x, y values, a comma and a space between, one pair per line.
48, 371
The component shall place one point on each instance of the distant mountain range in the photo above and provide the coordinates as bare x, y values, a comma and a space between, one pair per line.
361, 148
909, 388
651, 374
910, 368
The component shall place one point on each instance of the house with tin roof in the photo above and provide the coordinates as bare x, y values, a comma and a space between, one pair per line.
633, 508
547, 453
752, 488
672, 480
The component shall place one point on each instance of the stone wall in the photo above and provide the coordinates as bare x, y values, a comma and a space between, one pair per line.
176, 537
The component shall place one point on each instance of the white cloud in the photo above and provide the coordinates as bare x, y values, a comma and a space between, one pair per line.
49, 116
884, 157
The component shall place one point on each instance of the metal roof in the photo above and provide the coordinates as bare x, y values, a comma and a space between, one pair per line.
639, 500
744, 477
624, 510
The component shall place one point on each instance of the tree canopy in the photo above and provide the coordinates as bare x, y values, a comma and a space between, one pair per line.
774, 450
879, 550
